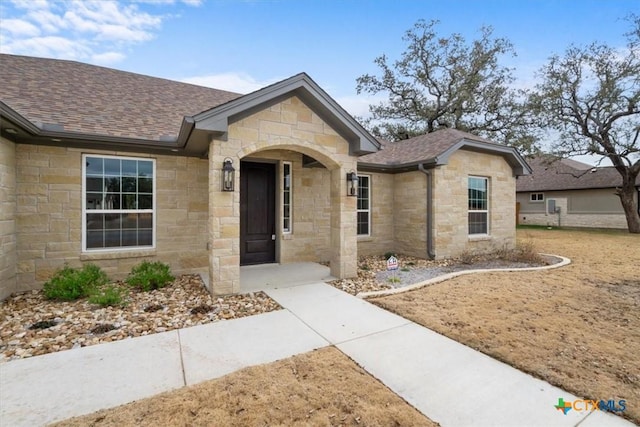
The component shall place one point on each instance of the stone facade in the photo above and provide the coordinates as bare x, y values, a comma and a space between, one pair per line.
287, 125
451, 204
309, 239
401, 226
591, 208
8, 254
382, 228
49, 210
410, 213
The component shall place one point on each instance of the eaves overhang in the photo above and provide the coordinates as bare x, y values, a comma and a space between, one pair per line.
510, 154
19, 129
216, 121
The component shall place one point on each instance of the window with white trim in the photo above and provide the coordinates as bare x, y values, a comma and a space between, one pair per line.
478, 205
118, 202
287, 200
536, 197
364, 205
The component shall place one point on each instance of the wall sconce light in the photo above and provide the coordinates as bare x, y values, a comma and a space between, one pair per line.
228, 175
352, 184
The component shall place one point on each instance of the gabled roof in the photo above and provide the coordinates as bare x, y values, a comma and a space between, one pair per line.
72, 97
553, 174
50, 101
435, 149
217, 119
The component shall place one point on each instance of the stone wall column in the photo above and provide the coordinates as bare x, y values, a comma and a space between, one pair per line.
8, 260
344, 243
224, 226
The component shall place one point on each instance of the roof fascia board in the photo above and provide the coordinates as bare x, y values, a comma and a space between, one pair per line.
513, 157
38, 136
13, 116
397, 168
218, 118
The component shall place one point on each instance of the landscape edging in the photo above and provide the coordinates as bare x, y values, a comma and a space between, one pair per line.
364, 295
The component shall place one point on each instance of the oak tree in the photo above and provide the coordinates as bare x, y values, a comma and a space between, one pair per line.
590, 97
447, 82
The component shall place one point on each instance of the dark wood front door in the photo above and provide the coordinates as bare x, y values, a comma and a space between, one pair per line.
257, 213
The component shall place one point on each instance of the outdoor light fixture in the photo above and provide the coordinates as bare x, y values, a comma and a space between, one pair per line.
352, 184
228, 175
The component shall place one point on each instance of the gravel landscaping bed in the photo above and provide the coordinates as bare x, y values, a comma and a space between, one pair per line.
374, 276
31, 325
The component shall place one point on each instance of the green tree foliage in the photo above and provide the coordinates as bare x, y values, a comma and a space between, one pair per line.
448, 83
591, 97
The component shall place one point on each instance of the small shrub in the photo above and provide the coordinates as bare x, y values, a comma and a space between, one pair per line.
148, 276
394, 280
467, 257
68, 284
388, 255
108, 296
523, 252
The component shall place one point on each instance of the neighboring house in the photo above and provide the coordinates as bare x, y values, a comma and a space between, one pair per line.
565, 192
110, 167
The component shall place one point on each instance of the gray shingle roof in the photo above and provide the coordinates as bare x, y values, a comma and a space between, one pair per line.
101, 101
551, 174
419, 148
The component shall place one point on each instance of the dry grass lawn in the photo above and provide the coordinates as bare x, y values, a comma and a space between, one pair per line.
577, 327
320, 388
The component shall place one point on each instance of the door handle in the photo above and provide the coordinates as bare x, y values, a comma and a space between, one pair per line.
273, 237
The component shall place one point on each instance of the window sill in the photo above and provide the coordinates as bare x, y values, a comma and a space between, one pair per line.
132, 253
365, 238
479, 237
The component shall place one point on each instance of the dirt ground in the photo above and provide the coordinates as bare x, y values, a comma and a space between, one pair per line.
319, 388
577, 327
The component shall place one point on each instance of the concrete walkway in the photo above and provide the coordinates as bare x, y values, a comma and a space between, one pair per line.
447, 381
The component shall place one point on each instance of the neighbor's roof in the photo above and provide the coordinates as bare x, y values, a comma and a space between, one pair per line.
435, 149
75, 97
552, 174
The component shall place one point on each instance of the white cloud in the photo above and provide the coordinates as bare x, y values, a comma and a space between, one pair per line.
187, 2
233, 82
20, 27
98, 31
49, 46
107, 57
358, 105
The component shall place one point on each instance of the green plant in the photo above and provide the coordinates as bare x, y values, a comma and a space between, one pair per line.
394, 280
405, 269
110, 295
68, 284
148, 276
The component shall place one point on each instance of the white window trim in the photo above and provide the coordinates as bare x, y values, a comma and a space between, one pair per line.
84, 206
487, 211
531, 198
368, 211
282, 183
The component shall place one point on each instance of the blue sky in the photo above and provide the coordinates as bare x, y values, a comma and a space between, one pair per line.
244, 45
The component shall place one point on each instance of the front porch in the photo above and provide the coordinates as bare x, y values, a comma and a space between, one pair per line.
265, 277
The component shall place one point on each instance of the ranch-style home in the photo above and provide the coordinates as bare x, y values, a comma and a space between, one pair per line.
110, 167
567, 193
